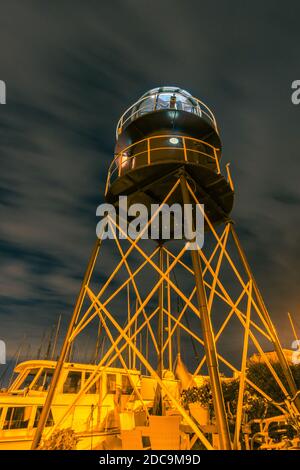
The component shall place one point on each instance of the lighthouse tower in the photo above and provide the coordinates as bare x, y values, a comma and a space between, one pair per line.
179, 313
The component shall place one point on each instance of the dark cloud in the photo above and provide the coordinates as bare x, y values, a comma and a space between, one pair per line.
71, 69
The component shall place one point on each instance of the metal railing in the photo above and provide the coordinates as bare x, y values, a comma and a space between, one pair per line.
200, 109
145, 152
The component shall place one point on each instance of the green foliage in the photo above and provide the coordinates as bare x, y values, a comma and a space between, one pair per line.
254, 405
200, 395
64, 439
260, 374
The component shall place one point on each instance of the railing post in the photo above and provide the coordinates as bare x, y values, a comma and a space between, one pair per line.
107, 182
217, 161
198, 106
120, 125
199, 109
229, 177
184, 149
148, 152
120, 162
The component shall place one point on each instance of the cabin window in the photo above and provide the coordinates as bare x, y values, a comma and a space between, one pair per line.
73, 382
50, 420
44, 380
17, 417
95, 387
127, 388
111, 383
28, 379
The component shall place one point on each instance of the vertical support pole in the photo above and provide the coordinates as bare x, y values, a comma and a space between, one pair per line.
161, 317
147, 346
178, 341
135, 337
169, 318
141, 349
128, 320
280, 354
65, 349
158, 405
208, 338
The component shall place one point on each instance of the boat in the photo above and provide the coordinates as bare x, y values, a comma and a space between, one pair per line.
117, 400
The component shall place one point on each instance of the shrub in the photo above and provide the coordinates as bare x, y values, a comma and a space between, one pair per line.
254, 405
62, 439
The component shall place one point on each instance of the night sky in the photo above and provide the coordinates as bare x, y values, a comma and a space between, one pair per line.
72, 68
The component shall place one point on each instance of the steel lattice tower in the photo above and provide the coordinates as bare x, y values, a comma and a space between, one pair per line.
168, 151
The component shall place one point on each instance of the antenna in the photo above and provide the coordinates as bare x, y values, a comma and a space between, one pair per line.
293, 326
56, 338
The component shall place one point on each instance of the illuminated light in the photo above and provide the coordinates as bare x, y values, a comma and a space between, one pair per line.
174, 140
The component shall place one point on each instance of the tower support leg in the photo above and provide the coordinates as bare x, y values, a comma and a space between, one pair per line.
275, 340
65, 349
161, 318
208, 337
158, 401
